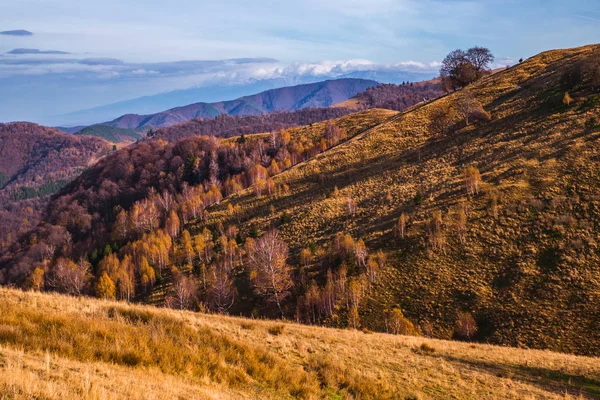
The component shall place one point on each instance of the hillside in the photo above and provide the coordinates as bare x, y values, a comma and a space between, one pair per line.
31, 154
394, 97
517, 251
391, 97
100, 349
110, 133
36, 161
473, 216
224, 126
320, 94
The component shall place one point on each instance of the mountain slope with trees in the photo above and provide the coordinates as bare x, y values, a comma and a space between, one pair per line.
35, 162
474, 216
484, 204
395, 97
110, 133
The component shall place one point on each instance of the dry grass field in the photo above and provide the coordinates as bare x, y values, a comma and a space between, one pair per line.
59, 347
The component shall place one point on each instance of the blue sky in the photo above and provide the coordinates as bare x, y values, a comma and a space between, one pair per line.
121, 49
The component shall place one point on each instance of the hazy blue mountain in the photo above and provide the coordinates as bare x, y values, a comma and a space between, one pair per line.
164, 101
291, 98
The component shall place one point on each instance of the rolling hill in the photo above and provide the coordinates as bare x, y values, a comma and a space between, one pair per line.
34, 155
55, 346
321, 94
394, 97
36, 161
110, 133
472, 216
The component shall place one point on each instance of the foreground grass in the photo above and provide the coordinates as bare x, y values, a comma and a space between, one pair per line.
54, 347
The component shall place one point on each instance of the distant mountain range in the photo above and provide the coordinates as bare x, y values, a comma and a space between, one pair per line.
291, 98
167, 100
209, 94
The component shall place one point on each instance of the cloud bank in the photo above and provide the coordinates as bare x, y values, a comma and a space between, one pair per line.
29, 79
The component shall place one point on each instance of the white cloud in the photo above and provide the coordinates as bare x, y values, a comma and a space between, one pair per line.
142, 71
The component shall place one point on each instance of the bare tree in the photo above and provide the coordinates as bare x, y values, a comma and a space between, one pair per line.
221, 292
466, 106
166, 201
440, 119
466, 327
480, 58
401, 226
182, 293
351, 206
435, 231
69, 277
360, 254
270, 274
460, 222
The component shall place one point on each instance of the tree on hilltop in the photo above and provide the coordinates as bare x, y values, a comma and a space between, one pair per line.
461, 68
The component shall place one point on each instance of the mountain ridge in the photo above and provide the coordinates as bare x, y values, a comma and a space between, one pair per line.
319, 94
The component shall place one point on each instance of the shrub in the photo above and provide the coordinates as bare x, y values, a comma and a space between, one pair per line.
398, 324
247, 326
481, 115
466, 327
567, 99
427, 348
276, 330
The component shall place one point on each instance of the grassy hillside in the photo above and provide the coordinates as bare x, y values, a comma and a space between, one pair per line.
521, 255
58, 347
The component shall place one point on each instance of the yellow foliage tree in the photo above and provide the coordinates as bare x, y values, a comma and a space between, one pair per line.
187, 248
36, 279
105, 287
172, 224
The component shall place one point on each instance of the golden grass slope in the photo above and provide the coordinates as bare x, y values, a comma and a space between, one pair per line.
530, 274
58, 347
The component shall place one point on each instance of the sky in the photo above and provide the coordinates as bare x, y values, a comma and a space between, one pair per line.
81, 54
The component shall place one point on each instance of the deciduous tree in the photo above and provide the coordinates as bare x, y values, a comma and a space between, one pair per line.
398, 324
105, 287
270, 273
440, 119
472, 178
183, 292
466, 327
401, 225
36, 279
69, 277
172, 224
221, 290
